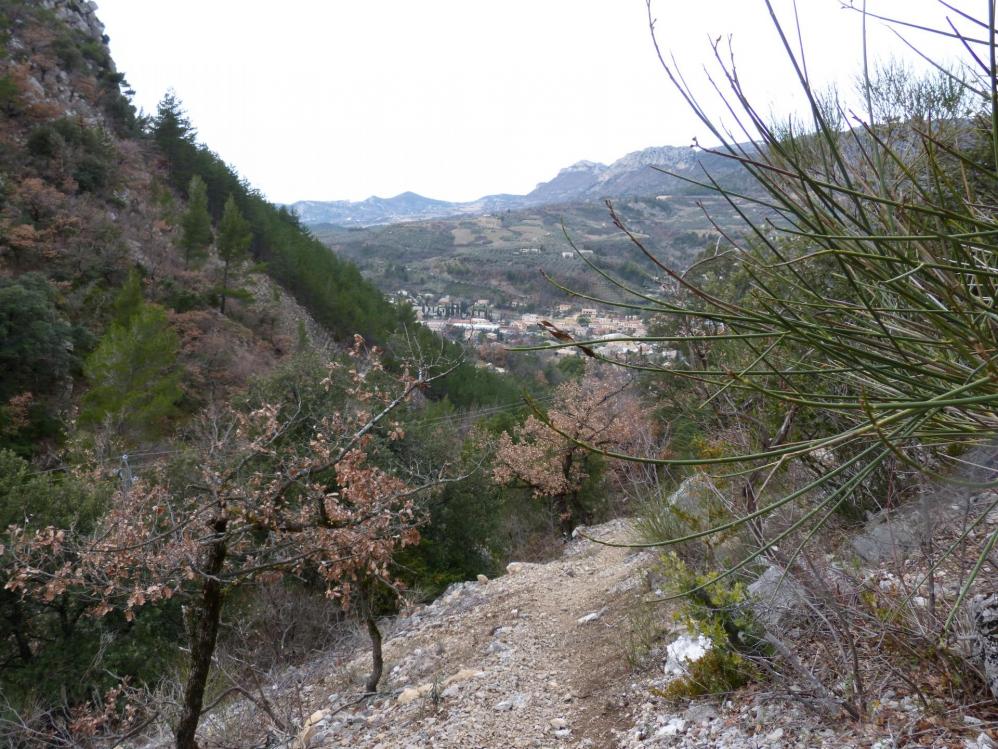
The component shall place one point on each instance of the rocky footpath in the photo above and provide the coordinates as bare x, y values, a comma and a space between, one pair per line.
538, 658
530, 659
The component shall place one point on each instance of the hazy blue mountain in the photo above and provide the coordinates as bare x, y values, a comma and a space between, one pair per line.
584, 181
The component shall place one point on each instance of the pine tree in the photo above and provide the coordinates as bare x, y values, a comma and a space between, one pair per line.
234, 239
195, 224
173, 133
133, 371
36, 350
129, 300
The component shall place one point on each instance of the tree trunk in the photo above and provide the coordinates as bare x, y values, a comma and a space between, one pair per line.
566, 501
225, 286
377, 660
16, 620
565, 516
203, 634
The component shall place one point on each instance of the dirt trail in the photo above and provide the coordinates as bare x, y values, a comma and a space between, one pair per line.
531, 659
538, 658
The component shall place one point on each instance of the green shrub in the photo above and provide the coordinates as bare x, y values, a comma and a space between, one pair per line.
68, 52
74, 132
719, 611
45, 143
458, 541
10, 95
718, 672
92, 174
46, 498
182, 299
87, 150
95, 52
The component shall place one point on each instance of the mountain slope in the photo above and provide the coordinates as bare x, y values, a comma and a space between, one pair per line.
634, 175
88, 194
407, 206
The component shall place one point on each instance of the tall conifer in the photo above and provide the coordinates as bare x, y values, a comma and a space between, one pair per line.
195, 225
234, 239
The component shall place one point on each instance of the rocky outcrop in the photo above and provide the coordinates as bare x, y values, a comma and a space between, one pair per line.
77, 14
777, 598
75, 86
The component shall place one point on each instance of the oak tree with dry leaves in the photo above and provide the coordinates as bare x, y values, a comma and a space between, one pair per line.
249, 503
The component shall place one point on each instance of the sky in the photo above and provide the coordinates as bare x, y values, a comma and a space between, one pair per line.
455, 99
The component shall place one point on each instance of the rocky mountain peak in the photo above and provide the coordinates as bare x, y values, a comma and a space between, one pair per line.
593, 167
672, 156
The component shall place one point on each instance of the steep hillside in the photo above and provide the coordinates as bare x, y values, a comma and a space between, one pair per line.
89, 194
83, 200
154, 307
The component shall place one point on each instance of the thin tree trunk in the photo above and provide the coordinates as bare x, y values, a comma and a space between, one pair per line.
377, 659
566, 503
565, 516
16, 620
204, 633
225, 286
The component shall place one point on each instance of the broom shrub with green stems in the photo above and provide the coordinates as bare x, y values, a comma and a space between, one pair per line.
867, 312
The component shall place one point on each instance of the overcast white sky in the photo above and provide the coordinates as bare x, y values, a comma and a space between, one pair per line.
454, 99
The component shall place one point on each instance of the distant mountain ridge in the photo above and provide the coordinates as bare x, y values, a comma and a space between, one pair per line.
584, 181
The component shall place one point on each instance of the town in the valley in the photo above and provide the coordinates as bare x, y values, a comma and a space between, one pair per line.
479, 321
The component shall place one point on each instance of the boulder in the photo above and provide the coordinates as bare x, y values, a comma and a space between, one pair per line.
463, 675
776, 599
887, 535
984, 610
310, 731
591, 617
408, 695
685, 649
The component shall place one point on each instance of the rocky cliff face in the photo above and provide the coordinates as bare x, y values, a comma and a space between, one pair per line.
77, 14
52, 63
